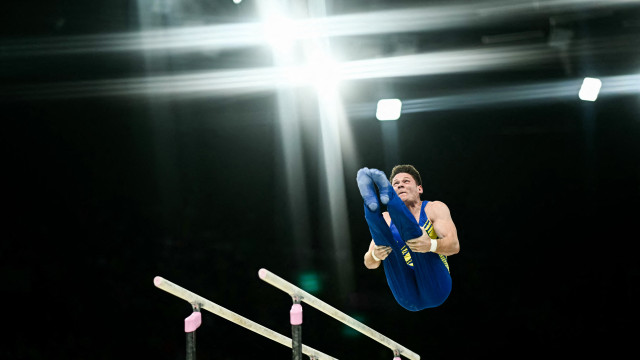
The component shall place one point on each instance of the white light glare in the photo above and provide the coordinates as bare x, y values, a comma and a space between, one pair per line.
388, 109
323, 71
590, 88
237, 1
279, 32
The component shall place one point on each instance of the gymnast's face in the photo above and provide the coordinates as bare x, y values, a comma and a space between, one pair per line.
406, 187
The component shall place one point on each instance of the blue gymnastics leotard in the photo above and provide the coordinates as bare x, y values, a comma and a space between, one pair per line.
417, 280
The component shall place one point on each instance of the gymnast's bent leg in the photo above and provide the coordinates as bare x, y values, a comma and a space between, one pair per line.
427, 284
400, 276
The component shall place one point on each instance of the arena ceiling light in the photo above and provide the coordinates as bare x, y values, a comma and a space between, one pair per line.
388, 109
590, 89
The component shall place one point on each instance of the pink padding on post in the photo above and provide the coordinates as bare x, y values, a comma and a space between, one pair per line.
296, 314
192, 322
397, 358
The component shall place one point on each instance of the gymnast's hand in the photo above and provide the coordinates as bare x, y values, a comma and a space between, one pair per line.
420, 244
382, 252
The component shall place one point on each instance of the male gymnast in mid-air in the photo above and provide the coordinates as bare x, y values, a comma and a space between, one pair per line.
412, 239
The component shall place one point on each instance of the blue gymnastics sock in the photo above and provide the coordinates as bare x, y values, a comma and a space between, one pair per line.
367, 189
384, 186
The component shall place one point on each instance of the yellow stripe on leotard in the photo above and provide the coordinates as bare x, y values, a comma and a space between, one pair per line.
407, 256
428, 227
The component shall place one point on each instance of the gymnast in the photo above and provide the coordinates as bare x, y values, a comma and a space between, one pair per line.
412, 239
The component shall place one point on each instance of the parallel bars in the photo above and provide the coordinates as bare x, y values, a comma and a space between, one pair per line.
297, 295
216, 309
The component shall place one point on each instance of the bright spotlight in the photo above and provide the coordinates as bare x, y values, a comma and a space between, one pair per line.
323, 71
279, 32
388, 109
237, 1
590, 88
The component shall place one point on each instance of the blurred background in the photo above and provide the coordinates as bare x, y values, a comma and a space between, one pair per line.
203, 140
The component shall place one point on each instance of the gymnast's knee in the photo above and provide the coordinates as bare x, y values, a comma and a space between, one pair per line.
432, 301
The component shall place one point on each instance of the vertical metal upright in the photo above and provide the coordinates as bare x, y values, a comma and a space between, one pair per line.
295, 316
191, 324
396, 355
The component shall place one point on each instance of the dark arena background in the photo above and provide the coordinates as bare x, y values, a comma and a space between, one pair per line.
201, 141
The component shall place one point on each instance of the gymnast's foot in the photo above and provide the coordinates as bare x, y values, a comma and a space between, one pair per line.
367, 189
383, 184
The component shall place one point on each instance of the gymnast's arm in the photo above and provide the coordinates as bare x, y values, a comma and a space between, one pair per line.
381, 253
440, 217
